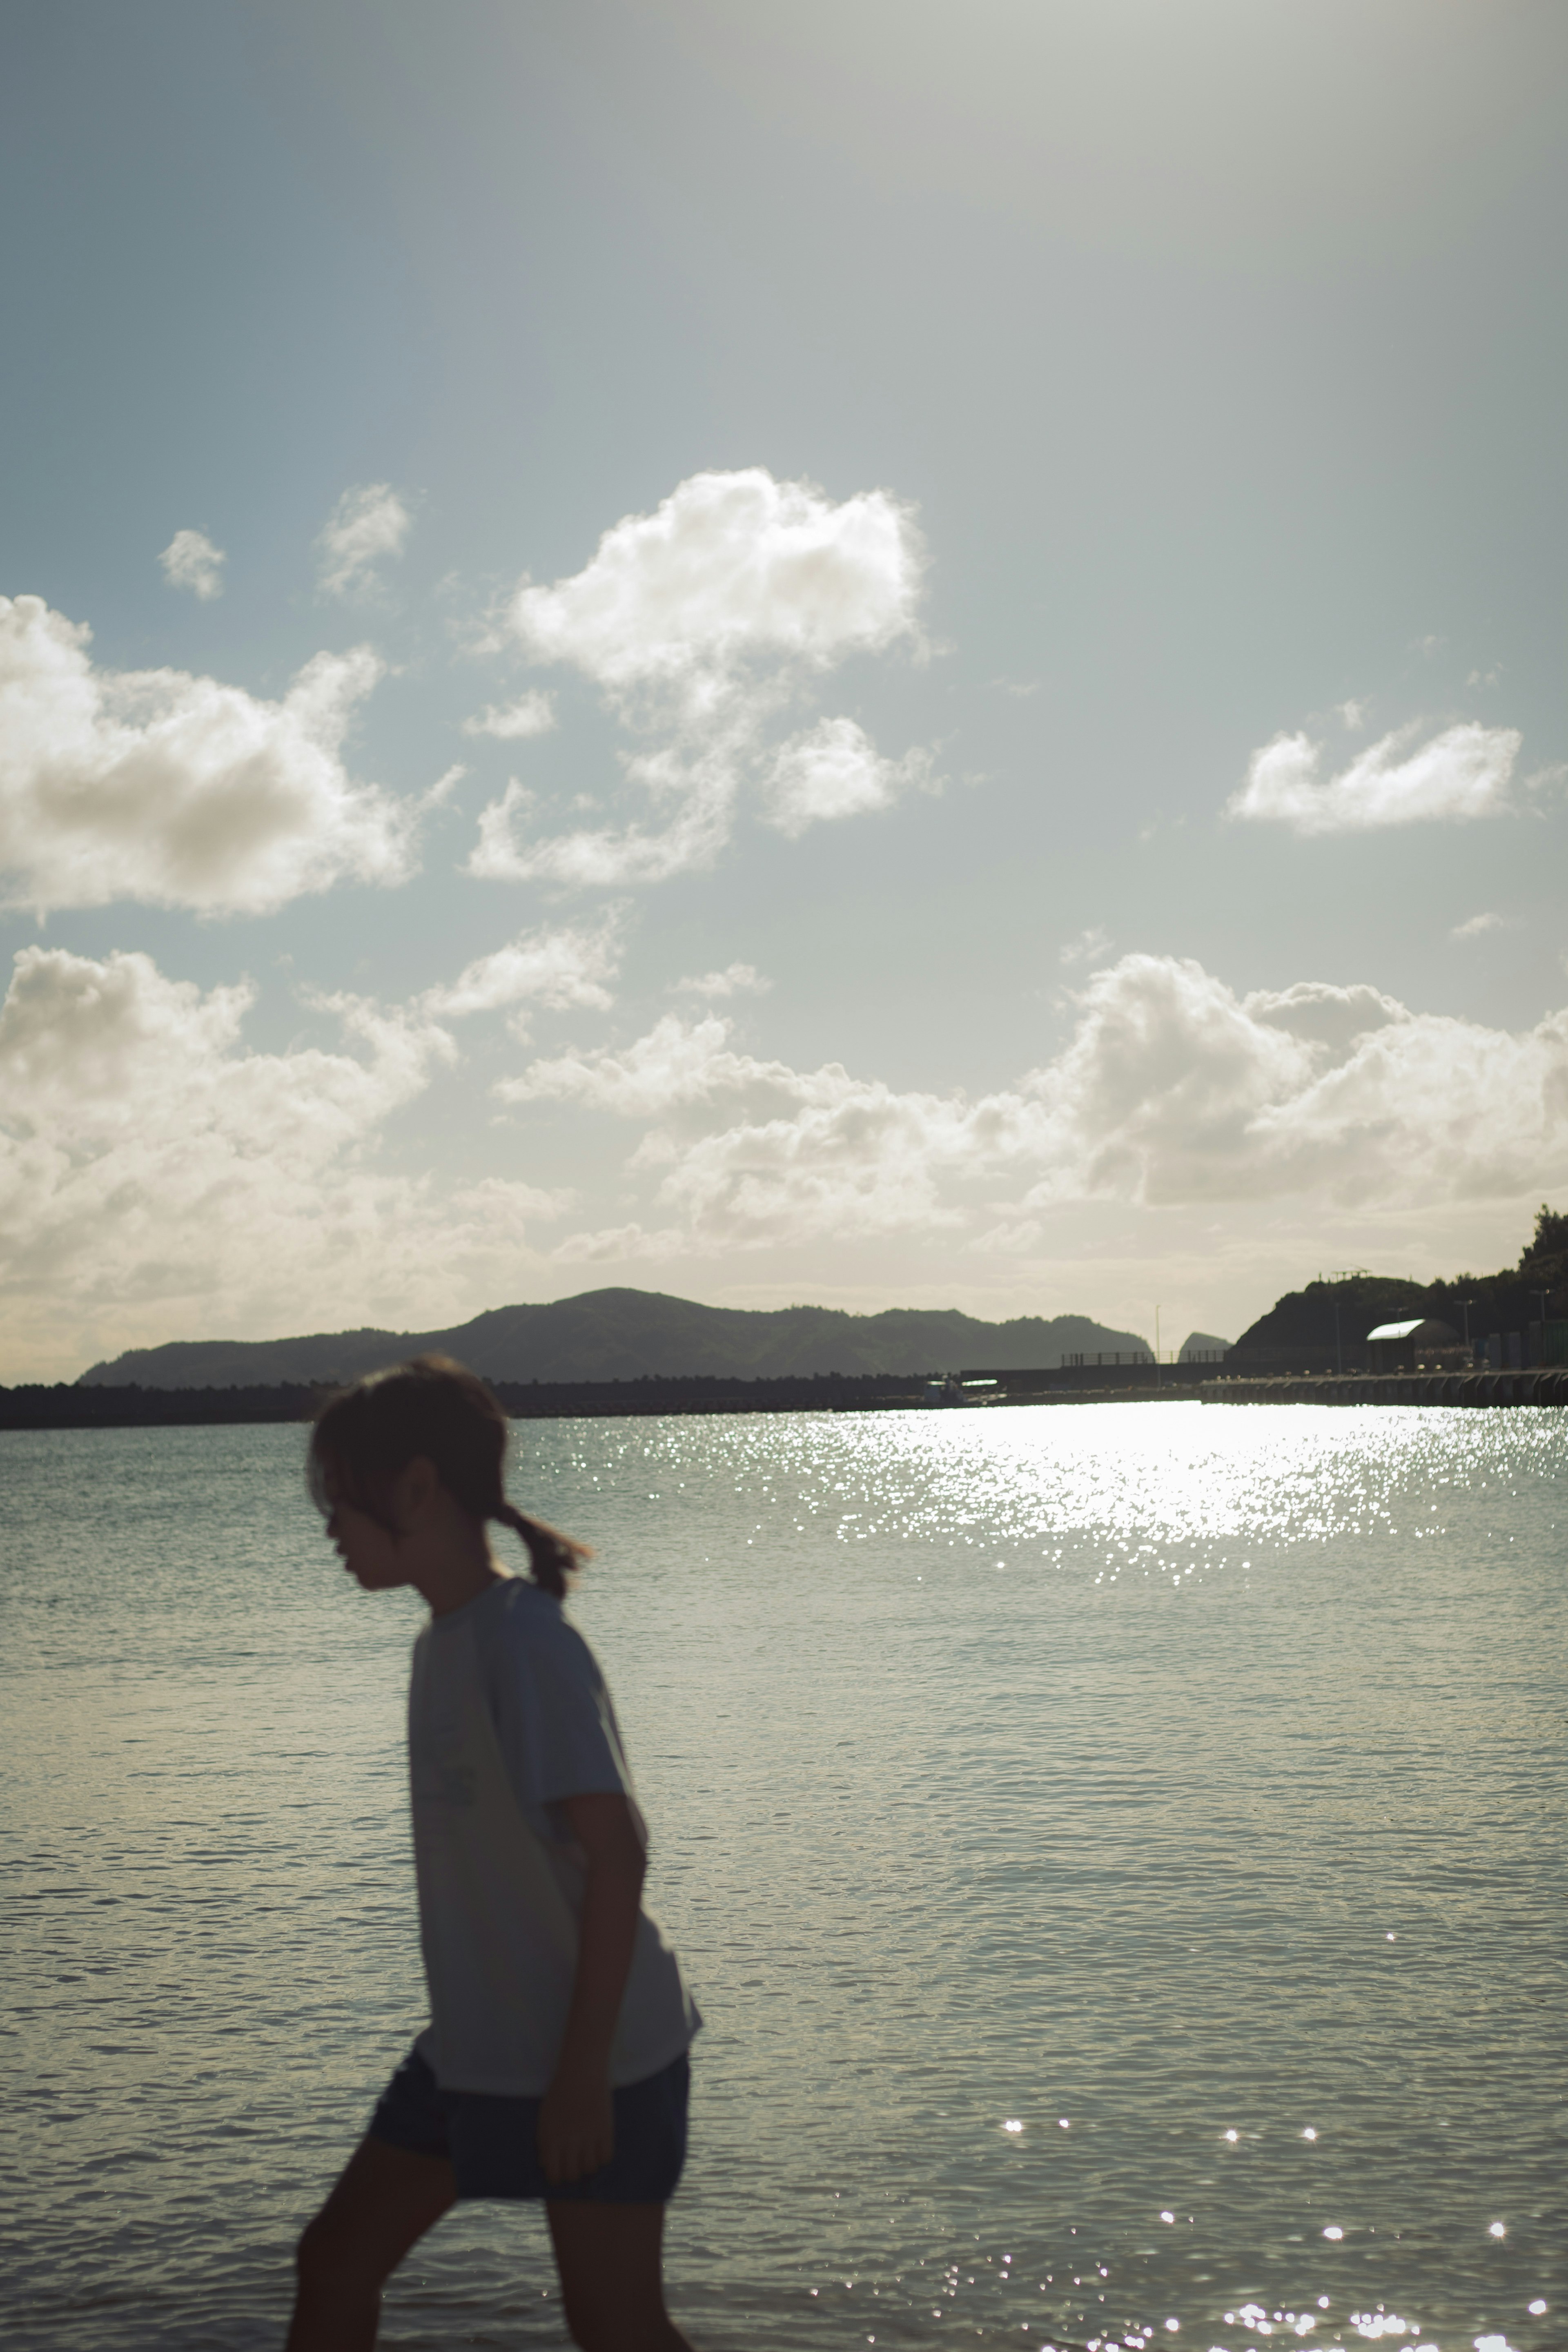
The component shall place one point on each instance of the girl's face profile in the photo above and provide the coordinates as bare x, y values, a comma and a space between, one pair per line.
372, 1557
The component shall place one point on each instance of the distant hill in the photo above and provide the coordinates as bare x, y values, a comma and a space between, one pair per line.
607, 1334
1203, 1348
1325, 1325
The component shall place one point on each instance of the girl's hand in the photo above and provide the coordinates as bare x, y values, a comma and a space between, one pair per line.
577, 2123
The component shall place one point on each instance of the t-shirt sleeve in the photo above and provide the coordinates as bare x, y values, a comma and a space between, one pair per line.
553, 1717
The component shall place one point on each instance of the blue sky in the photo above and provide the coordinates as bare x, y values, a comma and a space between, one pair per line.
888, 654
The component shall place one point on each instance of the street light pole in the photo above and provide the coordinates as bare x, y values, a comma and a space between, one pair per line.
1156, 1347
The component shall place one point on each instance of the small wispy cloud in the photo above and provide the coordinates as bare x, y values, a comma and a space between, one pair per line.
1485, 676
366, 528
191, 560
1087, 947
556, 968
834, 769
531, 714
1352, 713
1479, 925
735, 979
1457, 775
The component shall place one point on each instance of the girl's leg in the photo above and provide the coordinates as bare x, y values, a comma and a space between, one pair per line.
611, 2276
384, 2201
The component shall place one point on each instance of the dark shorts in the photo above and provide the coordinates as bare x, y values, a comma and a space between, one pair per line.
492, 2142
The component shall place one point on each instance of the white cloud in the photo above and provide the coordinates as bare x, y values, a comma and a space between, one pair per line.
852, 1158
151, 1167
1479, 925
159, 1180
834, 769
156, 785
1172, 1091
700, 622
811, 1153
735, 979
191, 560
558, 969
700, 787
1087, 947
1460, 775
678, 1061
530, 714
1175, 1089
731, 567
1352, 713
367, 527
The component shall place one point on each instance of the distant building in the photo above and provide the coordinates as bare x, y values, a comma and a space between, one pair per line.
1399, 1347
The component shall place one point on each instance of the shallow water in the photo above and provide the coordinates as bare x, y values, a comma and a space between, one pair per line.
1118, 1851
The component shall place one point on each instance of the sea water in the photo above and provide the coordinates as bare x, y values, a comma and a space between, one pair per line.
1117, 1852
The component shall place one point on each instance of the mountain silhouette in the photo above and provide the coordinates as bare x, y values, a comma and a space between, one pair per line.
627, 1335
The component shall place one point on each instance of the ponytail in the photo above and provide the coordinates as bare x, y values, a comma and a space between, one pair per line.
433, 1409
553, 1559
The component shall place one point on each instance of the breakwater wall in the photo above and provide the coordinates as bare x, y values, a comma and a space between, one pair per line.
1546, 1386
67, 1406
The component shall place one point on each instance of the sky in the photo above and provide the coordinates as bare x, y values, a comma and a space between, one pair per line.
885, 654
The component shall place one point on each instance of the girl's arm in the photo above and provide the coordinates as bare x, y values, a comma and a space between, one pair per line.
576, 2121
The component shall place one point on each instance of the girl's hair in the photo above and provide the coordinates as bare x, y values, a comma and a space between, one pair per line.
433, 1409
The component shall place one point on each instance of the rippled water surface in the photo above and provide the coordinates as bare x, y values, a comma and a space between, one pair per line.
1118, 1851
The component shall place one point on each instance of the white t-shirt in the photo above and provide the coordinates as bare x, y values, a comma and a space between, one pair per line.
508, 1713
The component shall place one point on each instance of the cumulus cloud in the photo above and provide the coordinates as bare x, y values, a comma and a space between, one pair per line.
367, 528
556, 968
1479, 925
191, 560
801, 1153
834, 769
529, 714
1172, 1090
731, 567
157, 785
158, 1178
1462, 774
735, 979
700, 623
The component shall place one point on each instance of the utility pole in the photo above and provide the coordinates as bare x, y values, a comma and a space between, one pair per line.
1156, 1347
